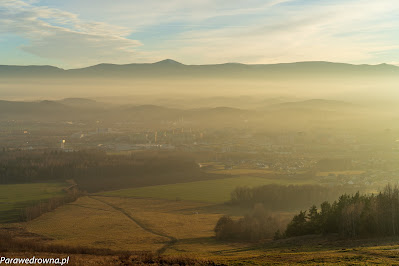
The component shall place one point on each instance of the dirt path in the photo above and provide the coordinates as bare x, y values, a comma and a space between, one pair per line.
172, 240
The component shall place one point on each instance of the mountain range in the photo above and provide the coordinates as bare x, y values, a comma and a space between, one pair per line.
172, 68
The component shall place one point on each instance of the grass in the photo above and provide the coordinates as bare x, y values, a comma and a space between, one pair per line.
15, 197
238, 256
242, 171
212, 191
177, 219
91, 223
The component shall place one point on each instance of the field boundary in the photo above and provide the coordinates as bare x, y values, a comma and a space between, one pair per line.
172, 240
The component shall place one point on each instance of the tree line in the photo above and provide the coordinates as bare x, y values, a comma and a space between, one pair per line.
280, 197
95, 170
351, 216
43, 206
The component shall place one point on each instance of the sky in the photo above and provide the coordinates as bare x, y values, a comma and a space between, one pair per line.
80, 33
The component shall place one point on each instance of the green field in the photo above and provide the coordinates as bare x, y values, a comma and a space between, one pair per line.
214, 191
15, 197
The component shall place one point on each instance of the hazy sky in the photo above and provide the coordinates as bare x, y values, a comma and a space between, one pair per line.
75, 33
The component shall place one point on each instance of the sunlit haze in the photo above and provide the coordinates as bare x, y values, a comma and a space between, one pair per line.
259, 132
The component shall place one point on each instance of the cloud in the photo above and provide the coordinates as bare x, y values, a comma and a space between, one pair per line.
204, 31
138, 14
351, 31
60, 35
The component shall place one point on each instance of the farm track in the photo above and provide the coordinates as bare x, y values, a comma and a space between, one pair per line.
172, 240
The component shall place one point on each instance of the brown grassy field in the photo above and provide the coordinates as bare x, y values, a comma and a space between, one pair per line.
181, 228
133, 224
88, 222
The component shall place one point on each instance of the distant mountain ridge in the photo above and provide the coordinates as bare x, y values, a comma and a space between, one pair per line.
88, 109
315, 103
171, 68
70, 108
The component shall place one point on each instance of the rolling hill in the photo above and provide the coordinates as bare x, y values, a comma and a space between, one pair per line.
171, 68
86, 109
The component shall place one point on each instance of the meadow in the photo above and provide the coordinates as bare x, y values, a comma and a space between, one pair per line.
212, 191
15, 197
91, 223
181, 228
243, 172
176, 221
129, 224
